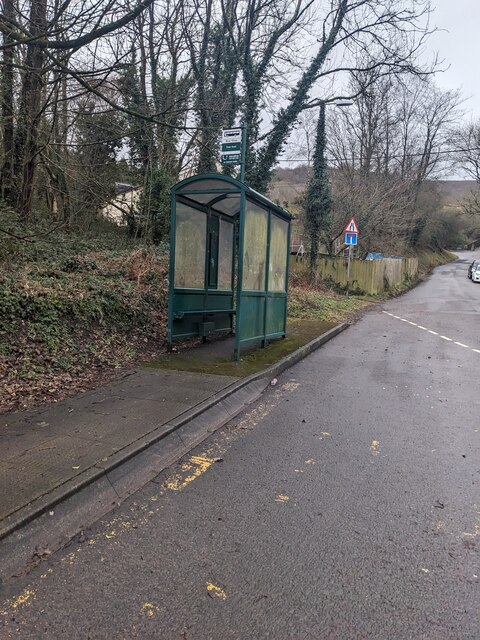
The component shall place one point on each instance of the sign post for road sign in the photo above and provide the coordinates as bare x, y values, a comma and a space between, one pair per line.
233, 148
351, 240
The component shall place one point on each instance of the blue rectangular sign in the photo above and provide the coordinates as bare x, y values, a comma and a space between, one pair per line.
351, 238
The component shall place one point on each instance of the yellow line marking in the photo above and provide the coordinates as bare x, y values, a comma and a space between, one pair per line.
196, 466
374, 447
149, 609
310, 461
282, 498
290, 386
213, 590
21, 600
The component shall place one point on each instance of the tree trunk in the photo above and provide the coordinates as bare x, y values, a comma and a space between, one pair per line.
282, 126
26, 142
7, 109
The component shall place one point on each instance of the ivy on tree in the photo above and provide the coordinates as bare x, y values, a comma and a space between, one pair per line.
318, 203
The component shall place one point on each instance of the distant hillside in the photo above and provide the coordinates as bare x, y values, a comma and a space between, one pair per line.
289, 184
454, 191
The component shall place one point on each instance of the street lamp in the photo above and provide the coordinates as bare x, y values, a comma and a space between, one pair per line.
318, 202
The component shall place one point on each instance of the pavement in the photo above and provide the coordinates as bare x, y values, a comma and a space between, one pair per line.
124, 433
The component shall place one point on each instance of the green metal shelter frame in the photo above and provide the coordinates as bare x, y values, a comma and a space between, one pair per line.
229, 249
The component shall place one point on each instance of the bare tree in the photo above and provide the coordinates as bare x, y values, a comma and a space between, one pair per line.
386, 148
392, 34
467, 145
178, 72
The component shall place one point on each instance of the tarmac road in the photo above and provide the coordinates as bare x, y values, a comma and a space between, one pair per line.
345, 504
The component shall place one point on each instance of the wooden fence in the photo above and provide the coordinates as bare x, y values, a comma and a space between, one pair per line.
368, 276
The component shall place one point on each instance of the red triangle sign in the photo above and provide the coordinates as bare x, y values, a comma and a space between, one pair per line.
351, 226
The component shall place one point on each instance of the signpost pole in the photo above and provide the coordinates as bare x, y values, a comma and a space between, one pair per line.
348, 268
244, 152
351, 239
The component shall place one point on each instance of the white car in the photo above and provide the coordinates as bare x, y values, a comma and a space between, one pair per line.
476, 273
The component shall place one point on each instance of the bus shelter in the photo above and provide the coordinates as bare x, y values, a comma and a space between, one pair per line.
228, 262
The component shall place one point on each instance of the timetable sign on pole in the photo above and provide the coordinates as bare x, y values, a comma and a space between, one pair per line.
232, 135
231, 146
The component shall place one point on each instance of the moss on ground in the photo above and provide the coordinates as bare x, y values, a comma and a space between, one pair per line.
299, 333
312, 310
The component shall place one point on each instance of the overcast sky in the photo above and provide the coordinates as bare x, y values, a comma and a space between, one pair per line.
459, 44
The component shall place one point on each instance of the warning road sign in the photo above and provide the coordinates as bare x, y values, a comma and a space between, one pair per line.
351, 226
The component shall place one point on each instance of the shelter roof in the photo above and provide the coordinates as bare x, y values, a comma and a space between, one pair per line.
222, 193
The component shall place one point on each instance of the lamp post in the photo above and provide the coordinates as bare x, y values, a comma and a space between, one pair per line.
318, 201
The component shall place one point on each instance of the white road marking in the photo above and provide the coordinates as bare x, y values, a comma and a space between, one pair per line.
435, 333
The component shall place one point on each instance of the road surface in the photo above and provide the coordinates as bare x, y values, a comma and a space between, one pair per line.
343, 505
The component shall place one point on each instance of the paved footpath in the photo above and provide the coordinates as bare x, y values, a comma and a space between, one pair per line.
45, 449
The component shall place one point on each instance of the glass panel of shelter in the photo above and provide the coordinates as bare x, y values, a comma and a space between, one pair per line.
200, 237
277, 278
225, 255
193, 239
255, 247
190, 247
